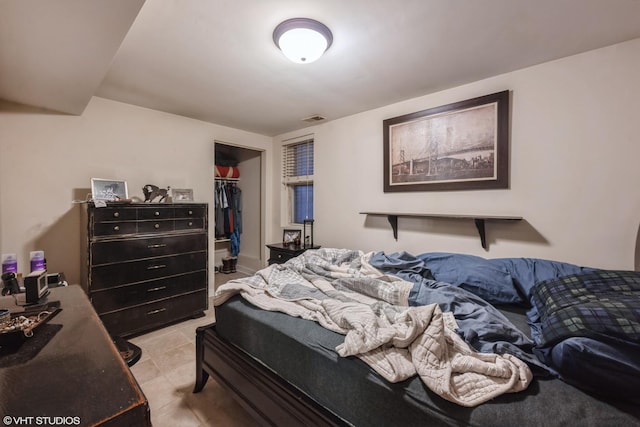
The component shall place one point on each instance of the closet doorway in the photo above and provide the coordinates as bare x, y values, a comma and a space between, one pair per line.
241, 169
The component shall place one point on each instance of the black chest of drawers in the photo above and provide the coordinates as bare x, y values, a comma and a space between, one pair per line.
146, 264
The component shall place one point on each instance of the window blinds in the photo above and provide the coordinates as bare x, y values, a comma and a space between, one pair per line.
297, 175
297, 162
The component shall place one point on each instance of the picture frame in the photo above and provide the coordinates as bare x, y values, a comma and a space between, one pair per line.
291, 236
182, 194
109, 190
458, 146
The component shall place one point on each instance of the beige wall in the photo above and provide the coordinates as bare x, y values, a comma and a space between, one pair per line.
574, 175
575, 149
47, 161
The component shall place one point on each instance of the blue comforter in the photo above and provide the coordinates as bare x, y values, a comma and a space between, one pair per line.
585, 322
480, 324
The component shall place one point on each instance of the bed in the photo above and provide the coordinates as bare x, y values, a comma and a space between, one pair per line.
289, 363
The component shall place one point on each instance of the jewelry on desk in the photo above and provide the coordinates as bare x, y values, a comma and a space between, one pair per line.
26, 324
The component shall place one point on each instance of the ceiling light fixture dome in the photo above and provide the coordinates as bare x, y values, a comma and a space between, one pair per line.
302, 40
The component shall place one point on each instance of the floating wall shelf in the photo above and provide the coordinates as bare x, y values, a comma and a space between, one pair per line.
479, 220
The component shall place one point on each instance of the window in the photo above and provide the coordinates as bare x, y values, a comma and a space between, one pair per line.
297, 177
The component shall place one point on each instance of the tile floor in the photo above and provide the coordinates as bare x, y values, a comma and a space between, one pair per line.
166, 373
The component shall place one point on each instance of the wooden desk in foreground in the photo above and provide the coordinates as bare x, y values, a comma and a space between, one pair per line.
69, 369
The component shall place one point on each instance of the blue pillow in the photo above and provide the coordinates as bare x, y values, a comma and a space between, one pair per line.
526, 272
493, 283
609, 370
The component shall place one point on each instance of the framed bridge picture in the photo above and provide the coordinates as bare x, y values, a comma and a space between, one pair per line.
459, 146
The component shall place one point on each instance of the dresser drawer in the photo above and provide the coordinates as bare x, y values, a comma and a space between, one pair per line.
106, 252
189, 224
189, 212
114, 228
114, 213
279, 257
140, 293
158, 226
131, 320
156, 213
110, 275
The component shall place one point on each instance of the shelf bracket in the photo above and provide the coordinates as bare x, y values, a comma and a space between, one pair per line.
480, 226
393, 221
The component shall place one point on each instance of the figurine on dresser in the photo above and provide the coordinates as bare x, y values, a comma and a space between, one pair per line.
152, 191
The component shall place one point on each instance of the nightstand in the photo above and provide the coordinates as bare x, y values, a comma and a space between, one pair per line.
280, 252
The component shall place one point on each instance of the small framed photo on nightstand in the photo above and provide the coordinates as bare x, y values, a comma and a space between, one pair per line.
291, 236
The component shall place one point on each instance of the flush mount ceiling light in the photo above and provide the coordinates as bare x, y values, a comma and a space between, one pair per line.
302, 40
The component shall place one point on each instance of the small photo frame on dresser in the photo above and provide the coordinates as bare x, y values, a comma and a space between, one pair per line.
110, 190
182, 194
291, 236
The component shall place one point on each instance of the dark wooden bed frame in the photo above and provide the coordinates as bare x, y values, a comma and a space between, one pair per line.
271, 400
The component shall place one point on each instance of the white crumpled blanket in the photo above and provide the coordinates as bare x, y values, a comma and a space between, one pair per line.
397, 341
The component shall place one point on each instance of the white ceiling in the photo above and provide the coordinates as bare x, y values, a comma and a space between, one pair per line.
215, 60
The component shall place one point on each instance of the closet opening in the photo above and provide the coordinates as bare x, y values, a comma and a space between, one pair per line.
237, 211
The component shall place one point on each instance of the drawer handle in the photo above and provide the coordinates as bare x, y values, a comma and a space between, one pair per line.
156, 267
160, 310
279, 256
190, 223
116, 228
159, 288
156, 226
190, 212
116, 214
156, 213
159, 245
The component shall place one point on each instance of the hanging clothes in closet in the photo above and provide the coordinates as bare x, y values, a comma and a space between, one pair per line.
228, 213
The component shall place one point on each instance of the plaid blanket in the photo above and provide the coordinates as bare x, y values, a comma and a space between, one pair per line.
602, 305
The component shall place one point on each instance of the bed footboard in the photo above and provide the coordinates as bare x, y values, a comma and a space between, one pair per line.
271, 400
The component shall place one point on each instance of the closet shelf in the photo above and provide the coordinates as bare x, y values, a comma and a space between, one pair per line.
479, 220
